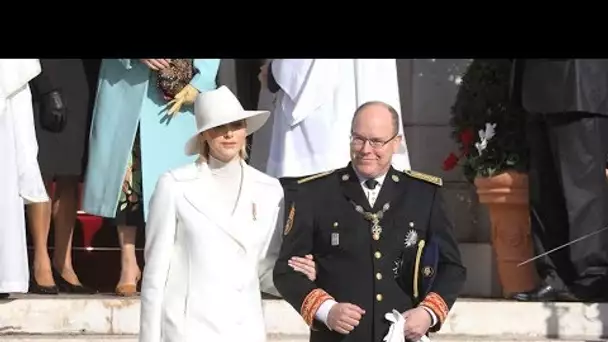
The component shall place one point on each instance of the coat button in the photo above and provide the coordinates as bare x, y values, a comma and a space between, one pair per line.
378, 275
379, 297
378, 255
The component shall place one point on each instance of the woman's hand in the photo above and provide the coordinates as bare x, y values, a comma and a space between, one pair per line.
304, 265
156, 63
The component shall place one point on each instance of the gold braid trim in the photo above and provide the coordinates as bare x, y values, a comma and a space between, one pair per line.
315, 176
434, 302
311, 304
423, 176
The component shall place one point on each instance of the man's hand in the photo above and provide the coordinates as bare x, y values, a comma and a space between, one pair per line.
344, 317
304, 265
156, 63
417, 323
263, 75
185, 96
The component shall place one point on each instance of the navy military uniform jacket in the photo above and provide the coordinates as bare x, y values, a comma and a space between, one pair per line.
415, 261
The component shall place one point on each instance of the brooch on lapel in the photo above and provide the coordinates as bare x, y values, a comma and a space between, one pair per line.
289, 223
254, 212
410, 238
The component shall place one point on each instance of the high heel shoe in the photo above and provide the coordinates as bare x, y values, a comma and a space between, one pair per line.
40, 289
128, 290
67, 287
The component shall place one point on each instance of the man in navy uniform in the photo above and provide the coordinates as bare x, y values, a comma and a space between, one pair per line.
380, 238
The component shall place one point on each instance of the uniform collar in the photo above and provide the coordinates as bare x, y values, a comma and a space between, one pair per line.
379, 179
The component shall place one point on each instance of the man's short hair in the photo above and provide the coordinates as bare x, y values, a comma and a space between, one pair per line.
391, 109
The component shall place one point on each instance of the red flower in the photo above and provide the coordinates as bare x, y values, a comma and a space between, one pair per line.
466, 137
450, 162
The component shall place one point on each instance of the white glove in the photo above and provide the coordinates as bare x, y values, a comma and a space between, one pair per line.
395, 332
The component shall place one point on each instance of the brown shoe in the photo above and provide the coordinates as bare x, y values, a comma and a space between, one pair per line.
127, 290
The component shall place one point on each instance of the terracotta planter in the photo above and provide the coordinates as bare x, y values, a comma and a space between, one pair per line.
506, 196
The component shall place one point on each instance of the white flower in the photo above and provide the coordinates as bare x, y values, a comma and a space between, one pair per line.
485, 136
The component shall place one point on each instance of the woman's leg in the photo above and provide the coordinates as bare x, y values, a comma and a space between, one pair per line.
39, 219
129, 218
65, 205
129, 271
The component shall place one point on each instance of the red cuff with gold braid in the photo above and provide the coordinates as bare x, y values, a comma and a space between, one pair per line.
311, 304
434, 302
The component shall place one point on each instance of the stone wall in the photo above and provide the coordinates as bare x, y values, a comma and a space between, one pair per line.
428, 90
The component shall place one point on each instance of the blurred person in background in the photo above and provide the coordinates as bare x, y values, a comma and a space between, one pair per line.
20, 179
62, 100
141, 120
568, 104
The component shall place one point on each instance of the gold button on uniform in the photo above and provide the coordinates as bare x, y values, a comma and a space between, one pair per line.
379, 297
378, 275
378, 255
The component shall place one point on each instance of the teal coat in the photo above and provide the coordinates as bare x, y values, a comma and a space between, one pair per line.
127, 98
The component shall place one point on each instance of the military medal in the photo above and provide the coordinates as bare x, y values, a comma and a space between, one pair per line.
376, 228
374, 218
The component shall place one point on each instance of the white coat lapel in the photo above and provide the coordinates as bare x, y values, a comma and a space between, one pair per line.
203, 201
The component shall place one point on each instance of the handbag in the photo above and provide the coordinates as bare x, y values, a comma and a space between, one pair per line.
173, 79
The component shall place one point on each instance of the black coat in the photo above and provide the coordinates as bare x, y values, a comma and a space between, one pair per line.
556, 86
378, 276
64, 153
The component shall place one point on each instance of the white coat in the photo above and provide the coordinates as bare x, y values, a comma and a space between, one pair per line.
204, 271
314, 111
20, 179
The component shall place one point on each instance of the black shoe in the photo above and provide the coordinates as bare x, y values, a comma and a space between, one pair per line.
67, 287
4, 295
39, 289
545, 293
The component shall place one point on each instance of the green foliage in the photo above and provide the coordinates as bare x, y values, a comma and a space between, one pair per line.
483, 98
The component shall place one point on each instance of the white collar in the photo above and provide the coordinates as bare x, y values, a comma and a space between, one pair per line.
379, 179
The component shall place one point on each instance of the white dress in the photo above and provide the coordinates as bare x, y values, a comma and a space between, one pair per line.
20, 179
211, 243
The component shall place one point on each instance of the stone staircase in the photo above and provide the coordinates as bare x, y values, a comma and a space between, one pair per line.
101, 318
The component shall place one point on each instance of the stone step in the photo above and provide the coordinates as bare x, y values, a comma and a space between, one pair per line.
480, 320
272, 338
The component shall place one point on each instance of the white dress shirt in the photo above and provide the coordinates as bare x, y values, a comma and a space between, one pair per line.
372, 196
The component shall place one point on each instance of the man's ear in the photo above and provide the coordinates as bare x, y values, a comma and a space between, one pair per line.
396, 144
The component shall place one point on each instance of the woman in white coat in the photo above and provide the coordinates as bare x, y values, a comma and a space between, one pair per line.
212, 236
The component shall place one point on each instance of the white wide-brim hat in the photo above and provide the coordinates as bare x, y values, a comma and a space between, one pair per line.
219, 107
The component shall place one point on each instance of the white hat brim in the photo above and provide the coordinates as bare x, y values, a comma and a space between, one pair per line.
255, 120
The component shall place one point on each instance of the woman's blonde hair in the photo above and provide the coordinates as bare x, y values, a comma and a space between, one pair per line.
204, 150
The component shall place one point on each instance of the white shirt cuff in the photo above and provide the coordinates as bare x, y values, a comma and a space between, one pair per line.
323, 311
433, 316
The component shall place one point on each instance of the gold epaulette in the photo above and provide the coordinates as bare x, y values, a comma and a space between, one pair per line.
315, 176
423, 176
